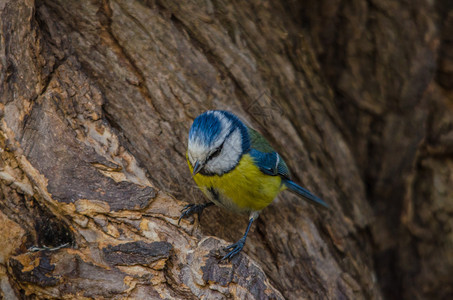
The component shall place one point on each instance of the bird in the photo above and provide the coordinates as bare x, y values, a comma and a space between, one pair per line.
237, 169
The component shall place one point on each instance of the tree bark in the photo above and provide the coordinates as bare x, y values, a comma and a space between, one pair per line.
97, 98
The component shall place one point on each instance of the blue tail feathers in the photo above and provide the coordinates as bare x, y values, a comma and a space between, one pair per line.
304, 193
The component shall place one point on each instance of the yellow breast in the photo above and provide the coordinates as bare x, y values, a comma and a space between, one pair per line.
243, 189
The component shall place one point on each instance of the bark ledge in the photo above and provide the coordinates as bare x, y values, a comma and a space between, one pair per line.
96, 99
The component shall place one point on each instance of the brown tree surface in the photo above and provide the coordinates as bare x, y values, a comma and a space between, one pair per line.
96, 99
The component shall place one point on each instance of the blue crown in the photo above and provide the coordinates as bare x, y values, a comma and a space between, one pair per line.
207, 127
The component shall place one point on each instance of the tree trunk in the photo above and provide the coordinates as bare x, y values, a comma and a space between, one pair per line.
96, 100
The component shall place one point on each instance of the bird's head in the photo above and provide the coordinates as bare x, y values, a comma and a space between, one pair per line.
217, 141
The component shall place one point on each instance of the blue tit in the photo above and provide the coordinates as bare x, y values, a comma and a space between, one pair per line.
236, 168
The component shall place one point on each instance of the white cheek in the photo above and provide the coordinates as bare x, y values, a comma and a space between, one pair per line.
229, 157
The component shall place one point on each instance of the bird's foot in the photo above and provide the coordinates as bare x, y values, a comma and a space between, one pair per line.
234, 249
191, 209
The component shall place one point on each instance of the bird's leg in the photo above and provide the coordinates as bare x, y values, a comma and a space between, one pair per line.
191, 209
237, 247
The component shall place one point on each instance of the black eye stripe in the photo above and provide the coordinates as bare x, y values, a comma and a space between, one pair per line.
219, 149
215, 153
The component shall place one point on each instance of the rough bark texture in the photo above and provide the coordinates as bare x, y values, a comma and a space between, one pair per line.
96, 99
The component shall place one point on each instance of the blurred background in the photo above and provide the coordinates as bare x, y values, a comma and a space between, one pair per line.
96, 101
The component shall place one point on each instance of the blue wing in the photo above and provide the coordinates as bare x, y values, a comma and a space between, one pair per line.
269, 162
265, 156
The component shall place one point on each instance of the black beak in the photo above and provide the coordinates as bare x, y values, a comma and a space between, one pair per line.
197, 167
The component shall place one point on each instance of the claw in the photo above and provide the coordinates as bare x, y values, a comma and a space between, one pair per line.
185, 212
186, 207
191, 209
235, 249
